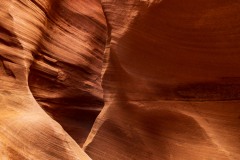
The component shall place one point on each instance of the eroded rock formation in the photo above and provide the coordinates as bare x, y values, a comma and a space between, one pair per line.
119, 79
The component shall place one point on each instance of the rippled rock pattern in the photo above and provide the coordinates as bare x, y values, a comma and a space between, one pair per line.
119, 80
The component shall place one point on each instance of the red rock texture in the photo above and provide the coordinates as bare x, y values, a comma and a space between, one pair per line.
119, 79
65, 77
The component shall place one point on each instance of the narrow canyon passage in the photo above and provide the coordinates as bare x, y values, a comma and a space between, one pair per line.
65, 77
119, 80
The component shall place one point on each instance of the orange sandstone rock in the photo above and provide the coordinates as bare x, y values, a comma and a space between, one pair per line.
119, 80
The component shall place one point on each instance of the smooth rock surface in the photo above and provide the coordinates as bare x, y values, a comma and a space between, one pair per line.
171, 82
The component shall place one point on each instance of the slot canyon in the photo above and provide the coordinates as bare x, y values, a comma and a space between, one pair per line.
119, 80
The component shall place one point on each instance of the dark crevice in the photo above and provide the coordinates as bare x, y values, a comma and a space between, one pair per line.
8, 71
75, 107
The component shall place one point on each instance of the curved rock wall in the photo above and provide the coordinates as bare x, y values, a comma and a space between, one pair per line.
171, 82
159, 76
65, 77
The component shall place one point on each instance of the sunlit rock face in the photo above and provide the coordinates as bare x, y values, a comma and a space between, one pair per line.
119, 79
51, 56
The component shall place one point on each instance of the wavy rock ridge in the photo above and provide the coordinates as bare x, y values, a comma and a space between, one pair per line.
148, 79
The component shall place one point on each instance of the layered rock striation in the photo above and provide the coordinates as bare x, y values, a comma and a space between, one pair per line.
136, 79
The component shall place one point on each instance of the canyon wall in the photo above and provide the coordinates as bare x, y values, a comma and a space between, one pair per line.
119, 79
